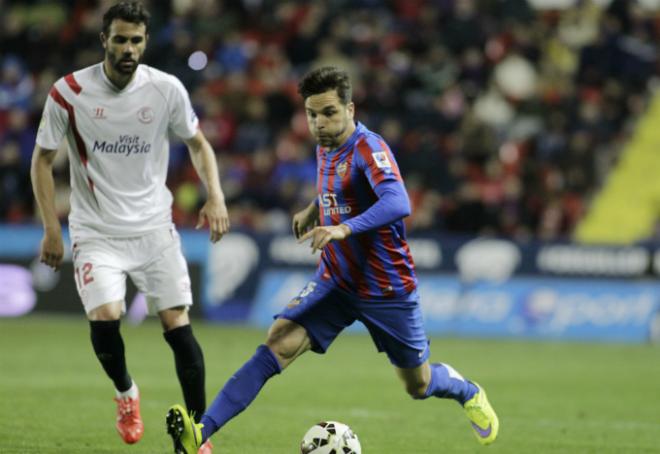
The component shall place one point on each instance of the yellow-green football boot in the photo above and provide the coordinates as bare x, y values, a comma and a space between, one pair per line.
185, 433
482, 417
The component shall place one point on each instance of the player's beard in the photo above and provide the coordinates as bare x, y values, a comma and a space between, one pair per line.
121, 64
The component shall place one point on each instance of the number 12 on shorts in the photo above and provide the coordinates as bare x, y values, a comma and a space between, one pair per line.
85, 277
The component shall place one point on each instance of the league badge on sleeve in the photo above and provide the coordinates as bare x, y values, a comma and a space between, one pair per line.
382, 161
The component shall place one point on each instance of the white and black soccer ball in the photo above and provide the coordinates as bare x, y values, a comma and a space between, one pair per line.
330, 437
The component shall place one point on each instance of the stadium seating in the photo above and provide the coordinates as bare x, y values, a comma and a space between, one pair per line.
505, 120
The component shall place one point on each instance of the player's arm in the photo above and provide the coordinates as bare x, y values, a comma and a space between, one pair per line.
392, 205
214, 210
43, 186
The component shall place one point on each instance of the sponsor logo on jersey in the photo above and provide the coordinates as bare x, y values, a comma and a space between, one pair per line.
382, 161
126, 145
341, 169
328, 201
145, 115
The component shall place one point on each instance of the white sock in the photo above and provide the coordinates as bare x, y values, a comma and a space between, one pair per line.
131, 393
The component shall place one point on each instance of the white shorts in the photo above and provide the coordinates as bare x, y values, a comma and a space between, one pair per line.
153, 261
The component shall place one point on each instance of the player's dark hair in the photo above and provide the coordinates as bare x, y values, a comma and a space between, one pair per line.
324, 79
131, 11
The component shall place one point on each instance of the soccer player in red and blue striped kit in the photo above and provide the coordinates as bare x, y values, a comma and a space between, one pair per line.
366, 273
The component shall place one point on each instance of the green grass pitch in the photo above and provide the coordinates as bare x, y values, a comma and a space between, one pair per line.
550, 397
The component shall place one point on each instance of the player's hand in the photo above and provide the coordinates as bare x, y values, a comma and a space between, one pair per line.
304, 220
215, 212
52, 248
322, 235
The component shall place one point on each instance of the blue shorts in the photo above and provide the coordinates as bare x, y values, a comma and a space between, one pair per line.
396, 326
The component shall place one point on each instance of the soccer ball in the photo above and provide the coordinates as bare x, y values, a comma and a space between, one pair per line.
330, 437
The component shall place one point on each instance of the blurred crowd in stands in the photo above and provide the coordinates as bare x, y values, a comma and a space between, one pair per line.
504, 119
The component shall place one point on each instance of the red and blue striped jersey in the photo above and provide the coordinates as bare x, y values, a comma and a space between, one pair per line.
376, 264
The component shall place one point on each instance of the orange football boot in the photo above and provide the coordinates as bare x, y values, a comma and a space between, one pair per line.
129, 422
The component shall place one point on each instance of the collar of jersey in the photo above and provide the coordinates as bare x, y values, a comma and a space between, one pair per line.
359, 129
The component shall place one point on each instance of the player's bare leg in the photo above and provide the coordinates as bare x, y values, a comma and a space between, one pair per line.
416, 380
174, 318
287, 340
109, 348
442, 380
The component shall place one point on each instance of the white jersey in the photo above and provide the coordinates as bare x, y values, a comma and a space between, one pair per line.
118, 147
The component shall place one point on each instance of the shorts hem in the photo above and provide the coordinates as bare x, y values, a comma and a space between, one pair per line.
413, 363
90, 307
163, 307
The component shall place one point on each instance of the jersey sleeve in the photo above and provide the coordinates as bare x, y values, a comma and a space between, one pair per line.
54, 123
392, 205
377, 161
183, 120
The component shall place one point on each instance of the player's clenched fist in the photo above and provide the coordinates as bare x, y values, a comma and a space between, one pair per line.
321, 236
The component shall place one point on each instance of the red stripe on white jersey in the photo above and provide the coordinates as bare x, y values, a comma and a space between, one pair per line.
57, 97
73, 83
80, 144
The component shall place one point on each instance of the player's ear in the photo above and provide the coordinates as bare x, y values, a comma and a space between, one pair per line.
102, 38
350, 108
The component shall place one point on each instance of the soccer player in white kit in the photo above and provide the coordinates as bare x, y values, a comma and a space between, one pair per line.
116, 116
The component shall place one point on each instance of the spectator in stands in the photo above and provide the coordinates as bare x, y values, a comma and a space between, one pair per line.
506, 119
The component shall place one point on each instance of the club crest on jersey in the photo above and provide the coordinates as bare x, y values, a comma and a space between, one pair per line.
382, 161
145, 115
341, 169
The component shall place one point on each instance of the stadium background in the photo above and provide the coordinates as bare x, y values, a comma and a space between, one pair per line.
526, 132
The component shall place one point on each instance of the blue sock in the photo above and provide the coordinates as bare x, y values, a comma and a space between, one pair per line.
240, 390
447, 383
